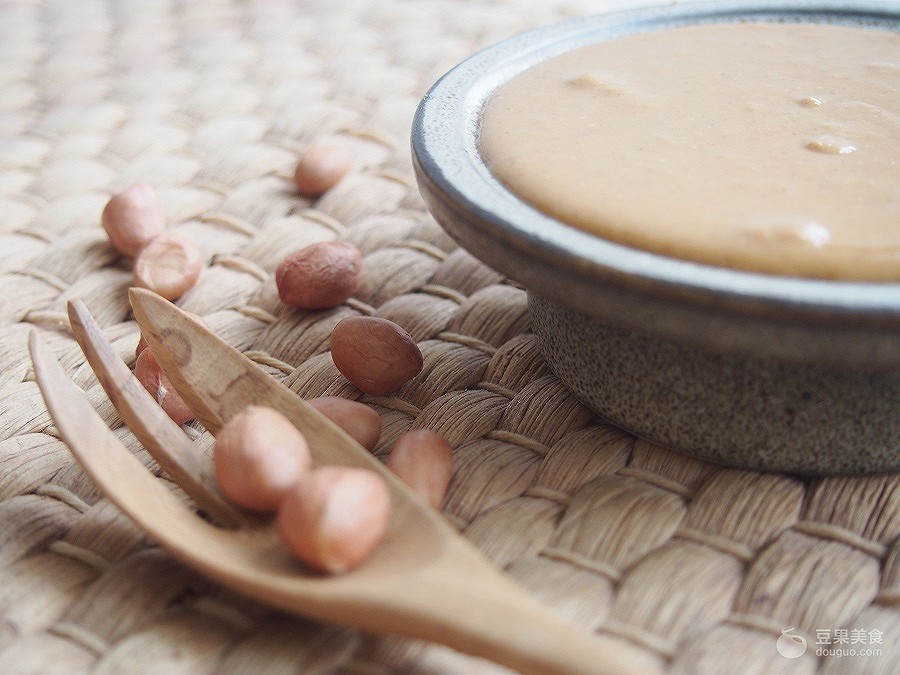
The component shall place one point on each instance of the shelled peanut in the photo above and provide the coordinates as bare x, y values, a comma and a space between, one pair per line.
259, 456
155, 381
358, 420
320, 275
375, 354
320, 168
423, 459
133, 217
330, 517
167, 263
334, 517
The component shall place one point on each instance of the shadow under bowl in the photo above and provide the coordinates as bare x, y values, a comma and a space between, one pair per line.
751, 370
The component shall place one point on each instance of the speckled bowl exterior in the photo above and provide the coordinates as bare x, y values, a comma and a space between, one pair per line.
735, 409
746, 369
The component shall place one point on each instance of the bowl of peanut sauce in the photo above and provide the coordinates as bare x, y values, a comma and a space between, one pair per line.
703, 203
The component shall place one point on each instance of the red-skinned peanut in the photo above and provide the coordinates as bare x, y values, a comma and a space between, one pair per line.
375, 354
133, 218
169, 265
360, 421
423, 459
334, 517
258, 456
321, 168
148, 371
320, 275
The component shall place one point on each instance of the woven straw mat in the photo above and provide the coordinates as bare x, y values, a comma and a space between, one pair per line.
700, 567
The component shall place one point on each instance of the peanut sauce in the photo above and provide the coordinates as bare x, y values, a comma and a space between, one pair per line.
760, 146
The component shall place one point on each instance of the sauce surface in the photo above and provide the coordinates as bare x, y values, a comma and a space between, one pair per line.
766, 147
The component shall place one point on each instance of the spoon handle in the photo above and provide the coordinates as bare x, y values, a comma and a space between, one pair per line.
475, 608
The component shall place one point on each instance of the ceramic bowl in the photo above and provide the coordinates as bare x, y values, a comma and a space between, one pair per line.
746, 369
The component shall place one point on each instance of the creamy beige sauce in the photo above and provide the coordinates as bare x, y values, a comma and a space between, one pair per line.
767, 147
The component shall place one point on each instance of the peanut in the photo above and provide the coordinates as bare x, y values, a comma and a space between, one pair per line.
258, 456
132, 218
169, 265
360, 421
147, 370
321, 168
334, 517
423, 459
318, 276
375, 354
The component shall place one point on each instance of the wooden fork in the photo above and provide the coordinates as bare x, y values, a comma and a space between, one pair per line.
423, 581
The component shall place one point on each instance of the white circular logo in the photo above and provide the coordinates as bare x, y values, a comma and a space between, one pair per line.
790, 646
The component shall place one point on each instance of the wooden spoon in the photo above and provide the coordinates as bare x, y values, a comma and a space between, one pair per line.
423, 581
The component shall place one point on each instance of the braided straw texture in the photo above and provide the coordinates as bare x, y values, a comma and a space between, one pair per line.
702, 567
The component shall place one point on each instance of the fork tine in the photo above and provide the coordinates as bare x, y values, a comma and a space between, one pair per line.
163, 439
102, 456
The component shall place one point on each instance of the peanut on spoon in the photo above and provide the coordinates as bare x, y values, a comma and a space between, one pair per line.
334, 517
259, 455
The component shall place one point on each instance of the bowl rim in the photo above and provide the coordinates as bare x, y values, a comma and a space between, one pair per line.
454, 178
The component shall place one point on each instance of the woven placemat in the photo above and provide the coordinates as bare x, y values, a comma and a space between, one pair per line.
701, 567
